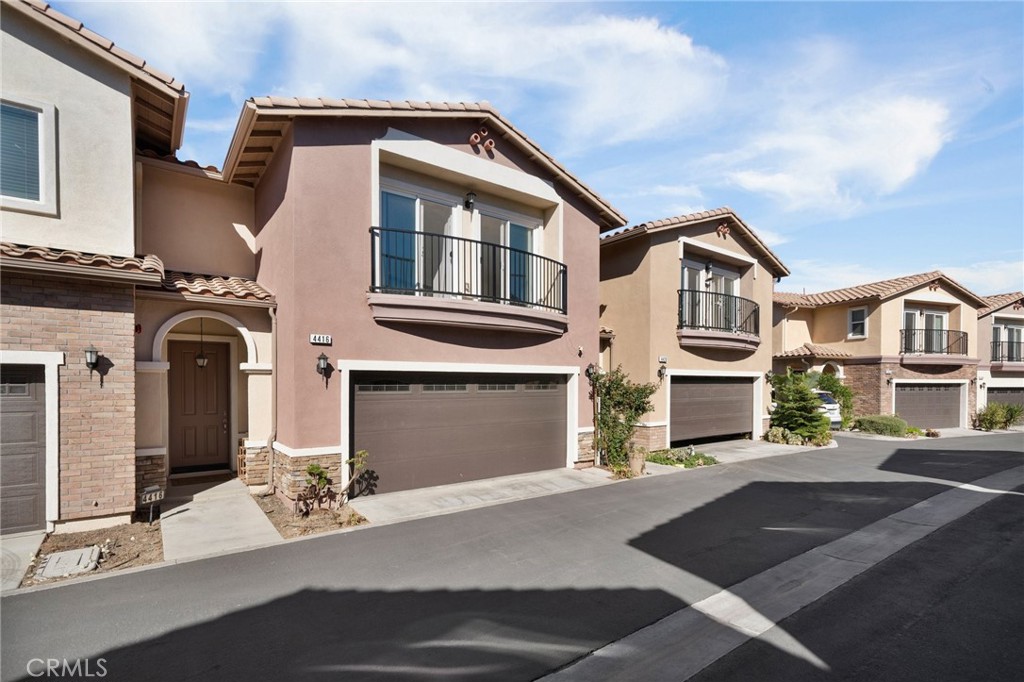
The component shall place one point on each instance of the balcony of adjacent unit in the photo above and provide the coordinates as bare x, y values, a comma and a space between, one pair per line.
715, 320
933, 346
1008, 355
421, 277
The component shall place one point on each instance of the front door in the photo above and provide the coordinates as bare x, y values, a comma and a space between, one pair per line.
199, 403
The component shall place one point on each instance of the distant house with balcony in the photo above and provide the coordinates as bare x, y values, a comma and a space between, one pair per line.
1001, 339
907, 345
686, 302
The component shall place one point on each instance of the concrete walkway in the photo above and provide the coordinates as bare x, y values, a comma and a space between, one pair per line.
18, 551
206, 519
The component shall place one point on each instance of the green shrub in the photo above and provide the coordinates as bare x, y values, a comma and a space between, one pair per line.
777, 434
820, 440
684, 457
796, 407
998, 416
882, 424
914, 432
841, 392
621, 404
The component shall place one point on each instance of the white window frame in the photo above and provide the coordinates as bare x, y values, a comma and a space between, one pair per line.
508, 218
849, 322
47, 118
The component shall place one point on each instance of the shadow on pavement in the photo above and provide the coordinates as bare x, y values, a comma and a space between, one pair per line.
957, 466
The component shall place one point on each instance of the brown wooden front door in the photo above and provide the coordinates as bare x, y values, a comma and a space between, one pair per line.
199, 404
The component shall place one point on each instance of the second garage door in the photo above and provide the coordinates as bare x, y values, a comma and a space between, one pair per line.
705, 407
929, 406
22, 449
432, 429
1007, 396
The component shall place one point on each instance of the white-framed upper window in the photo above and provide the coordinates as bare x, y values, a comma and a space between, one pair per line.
28, 156
857, 323
509, 274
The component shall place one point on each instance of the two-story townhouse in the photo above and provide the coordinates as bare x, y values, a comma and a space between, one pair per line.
435, 275
686, 303
1001, 345
75, 107
907, 345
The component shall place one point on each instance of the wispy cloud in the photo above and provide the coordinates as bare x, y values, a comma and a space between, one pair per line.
989, 277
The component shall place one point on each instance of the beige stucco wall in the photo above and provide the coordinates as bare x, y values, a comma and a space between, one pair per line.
626, 304
791, 327
94, 141
315, 256
195, 223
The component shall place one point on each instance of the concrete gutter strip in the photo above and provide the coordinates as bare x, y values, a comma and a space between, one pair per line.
682, 644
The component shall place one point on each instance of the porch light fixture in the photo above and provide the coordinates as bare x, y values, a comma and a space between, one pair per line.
470, 201
889, 381
321, 364
662, 371
590, 371
201, 359
92, 357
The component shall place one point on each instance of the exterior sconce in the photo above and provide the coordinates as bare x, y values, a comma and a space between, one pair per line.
321, 365
470, 201
662, 371
769, 375
591, 371
92, 358
889, 381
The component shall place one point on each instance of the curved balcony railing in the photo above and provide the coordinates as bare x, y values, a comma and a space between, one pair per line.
439, 265
706, 310
1008, 351
933, 342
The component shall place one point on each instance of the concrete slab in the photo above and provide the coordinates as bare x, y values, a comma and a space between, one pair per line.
18, 551
203, 520
446, 499
740, 450
69, 562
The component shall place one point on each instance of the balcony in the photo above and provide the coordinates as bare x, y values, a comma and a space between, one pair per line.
1008, 355
714, 320
933, 347
425, 278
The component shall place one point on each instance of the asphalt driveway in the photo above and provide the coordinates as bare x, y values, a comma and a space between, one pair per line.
506, 592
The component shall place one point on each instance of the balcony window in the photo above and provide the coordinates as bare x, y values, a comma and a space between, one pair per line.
710, 312
926, 331
1007, 343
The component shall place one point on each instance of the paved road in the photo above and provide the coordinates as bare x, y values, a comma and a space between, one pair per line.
508, 592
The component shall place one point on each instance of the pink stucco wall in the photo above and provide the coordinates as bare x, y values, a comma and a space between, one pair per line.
313, 214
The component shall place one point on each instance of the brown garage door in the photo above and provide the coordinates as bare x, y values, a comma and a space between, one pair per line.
929, 406
1007, 396
432, 429
704, 407
22, 449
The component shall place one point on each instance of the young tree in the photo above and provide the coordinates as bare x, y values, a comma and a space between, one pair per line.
621, 404
797, 407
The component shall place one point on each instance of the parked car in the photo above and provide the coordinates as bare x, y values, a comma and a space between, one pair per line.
830, 408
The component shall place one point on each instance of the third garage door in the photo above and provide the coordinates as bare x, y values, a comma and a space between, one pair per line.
1011, 396
432, 429
705, 407
929, 406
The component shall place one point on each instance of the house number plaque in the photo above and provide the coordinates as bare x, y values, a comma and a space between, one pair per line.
320, 339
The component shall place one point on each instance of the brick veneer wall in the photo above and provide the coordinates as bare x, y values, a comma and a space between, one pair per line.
585, 449
257, 466
650, 437
873, 394
290, 472
150, 470
97, 409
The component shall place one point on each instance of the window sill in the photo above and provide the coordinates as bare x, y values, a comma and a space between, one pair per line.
856, 337
705, 338
455, 312
1007, 366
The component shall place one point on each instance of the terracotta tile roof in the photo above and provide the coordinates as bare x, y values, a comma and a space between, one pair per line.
127, 59
885, 289
369, 107
689, 219
814, 350
68, 261
216, 286
172, 158
994, 303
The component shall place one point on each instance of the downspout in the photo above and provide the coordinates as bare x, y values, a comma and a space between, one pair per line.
271, 487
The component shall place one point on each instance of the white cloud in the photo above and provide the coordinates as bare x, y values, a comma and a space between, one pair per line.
983, 278
990, 277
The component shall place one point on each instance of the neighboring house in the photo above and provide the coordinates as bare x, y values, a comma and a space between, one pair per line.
435, 273
686, 302
907, 345
75, 108
1001, 345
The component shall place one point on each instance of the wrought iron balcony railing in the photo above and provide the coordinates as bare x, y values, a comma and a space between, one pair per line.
1008, 351
706, 310
933, 342
438, 265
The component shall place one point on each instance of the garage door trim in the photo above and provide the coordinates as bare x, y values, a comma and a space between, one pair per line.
759, 413
962, 383
571, 372
51, 361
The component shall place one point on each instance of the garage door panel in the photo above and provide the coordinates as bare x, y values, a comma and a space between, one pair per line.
439, 429
704, 407
929, 406
1005, 395
22, 448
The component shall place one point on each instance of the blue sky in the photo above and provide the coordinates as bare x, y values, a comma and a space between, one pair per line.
861, 140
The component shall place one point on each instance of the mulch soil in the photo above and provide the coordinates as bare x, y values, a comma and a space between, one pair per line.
290, 525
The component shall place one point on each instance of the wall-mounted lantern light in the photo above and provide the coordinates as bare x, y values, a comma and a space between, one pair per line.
92, 357
591, 371
470, 201
321, 364
662, 371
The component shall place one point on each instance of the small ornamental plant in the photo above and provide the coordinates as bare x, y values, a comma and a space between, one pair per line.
620, 405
